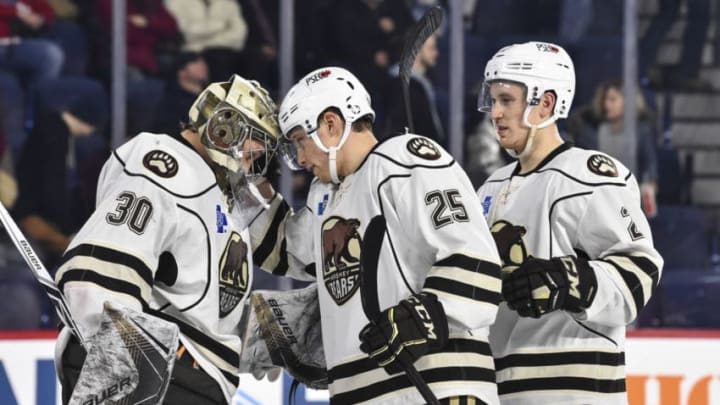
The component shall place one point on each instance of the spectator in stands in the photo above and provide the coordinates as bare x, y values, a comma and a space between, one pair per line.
190, 78
149, 27
685, 74
262, 41
599, 126
426, 120
25, 59
216, 28
46, 207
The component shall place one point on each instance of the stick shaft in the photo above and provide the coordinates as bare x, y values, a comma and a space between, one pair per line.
39, 271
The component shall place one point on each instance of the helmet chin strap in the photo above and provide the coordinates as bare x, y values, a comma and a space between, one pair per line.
531, 137
332, 151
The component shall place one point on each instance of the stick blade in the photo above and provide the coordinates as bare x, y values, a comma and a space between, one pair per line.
415, 39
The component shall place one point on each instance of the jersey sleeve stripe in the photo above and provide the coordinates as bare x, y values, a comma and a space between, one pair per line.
478, 280
463, 290
470, 264
108, 283
111, 256
270, 239
640, 281
109, 270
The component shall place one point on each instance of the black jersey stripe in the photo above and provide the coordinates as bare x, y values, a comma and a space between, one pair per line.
109, 283
399, 382
559, 358
366, 364
562, 383
201, 338
461, 289
648, 267
415, 166
234, 380
311, 270
269, 241
282, 267
470, 264
111, 256
633, 282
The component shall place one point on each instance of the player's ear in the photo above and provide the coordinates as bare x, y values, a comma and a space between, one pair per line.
334, 122
547, 104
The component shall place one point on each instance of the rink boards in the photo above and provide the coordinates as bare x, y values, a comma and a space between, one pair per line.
663, 367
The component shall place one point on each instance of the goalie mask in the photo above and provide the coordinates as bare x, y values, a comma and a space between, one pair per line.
330, 87
537, 67
237, 123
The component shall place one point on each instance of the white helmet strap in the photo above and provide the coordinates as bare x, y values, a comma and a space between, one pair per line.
533, 131
332, 151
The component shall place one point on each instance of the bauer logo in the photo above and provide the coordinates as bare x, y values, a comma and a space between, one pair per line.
543, 47
317, 77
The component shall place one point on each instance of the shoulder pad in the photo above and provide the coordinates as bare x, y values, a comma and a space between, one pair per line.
167, 163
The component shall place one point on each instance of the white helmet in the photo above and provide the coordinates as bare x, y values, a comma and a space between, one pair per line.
226, 114
311, 96
539, 67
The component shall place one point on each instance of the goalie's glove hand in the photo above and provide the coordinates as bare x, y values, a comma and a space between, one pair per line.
540, 286
404, 333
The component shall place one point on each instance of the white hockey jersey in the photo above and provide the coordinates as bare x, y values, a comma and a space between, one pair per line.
160, 240
576, 202
437, 241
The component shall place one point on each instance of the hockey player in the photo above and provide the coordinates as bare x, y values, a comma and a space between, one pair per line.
578, 257
169, 237
438, 273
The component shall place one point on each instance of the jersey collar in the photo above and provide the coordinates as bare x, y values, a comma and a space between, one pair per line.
560, 149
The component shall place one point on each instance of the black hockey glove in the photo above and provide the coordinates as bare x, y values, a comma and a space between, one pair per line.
540, 286
405, 332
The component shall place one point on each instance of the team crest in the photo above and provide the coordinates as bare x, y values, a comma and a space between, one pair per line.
509, 241
341, 257
234, 274
423, 148
161, 163
602, 165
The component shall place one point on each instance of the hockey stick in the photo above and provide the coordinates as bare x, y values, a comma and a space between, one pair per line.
416, 37
369, 258
152, 379
40, 272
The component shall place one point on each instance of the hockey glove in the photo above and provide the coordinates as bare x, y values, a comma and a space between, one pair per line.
405, 332
540, 286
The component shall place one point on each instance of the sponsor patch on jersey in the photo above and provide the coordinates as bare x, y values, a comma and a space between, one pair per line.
423, 148
161, 163
602, 166
341, 257
234, 274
